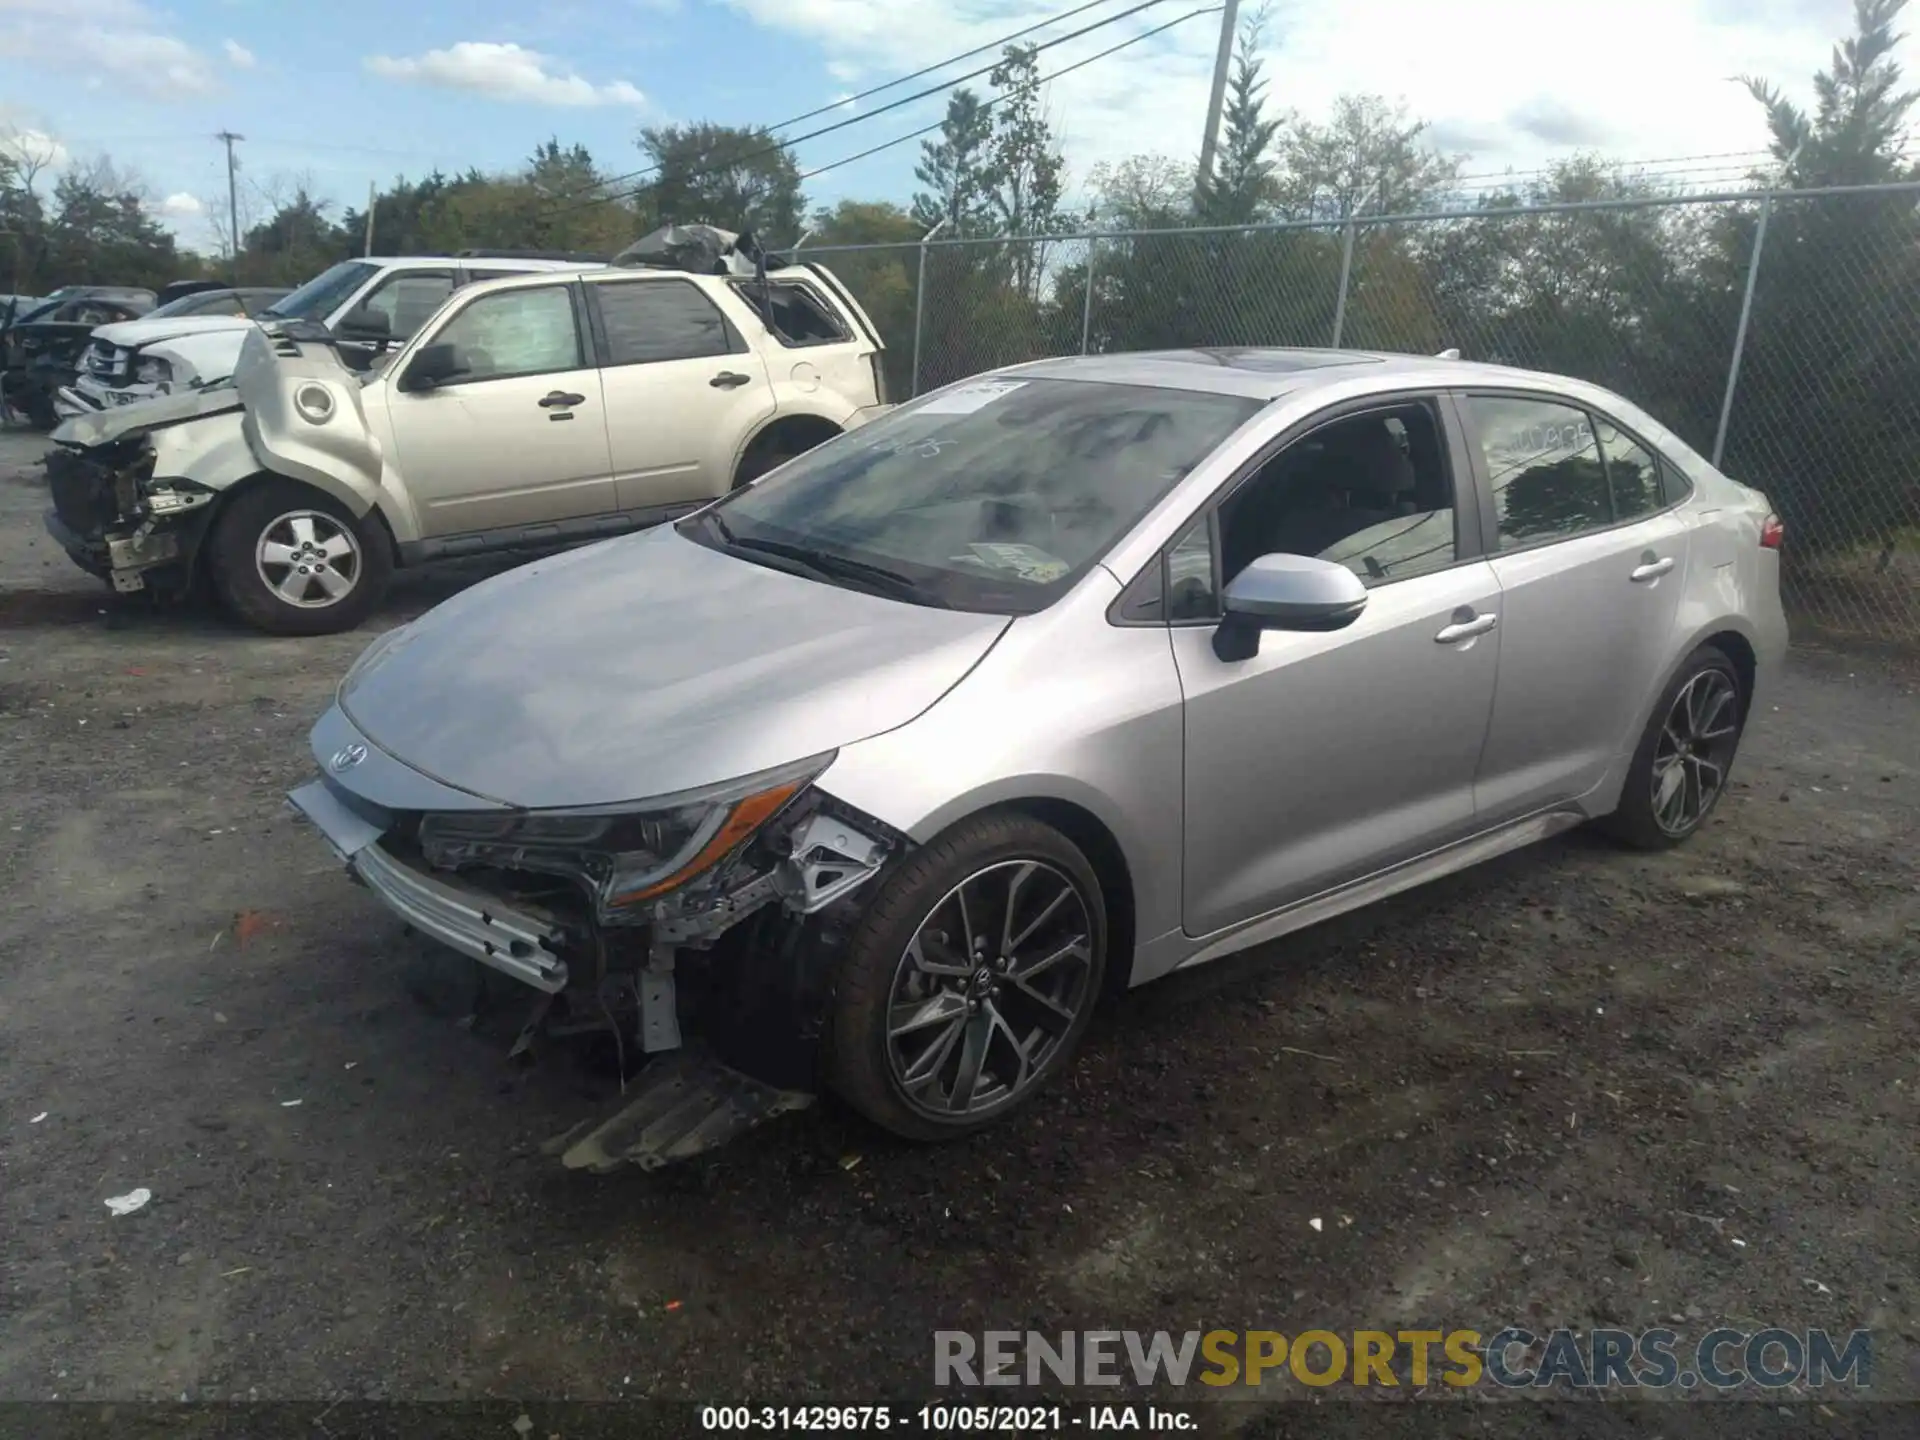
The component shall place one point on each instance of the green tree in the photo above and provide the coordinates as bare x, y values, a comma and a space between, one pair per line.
1241, 188
1367, 151
294, 244
738, 178
955, 169
1821, 420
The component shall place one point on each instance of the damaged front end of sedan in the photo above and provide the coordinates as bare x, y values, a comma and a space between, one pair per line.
699, 931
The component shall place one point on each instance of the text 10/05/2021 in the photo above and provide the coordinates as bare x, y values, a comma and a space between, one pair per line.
947, 1419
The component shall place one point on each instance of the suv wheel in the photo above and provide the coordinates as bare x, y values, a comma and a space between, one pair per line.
291, 561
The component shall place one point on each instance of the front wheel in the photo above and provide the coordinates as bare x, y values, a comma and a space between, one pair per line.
291, 561
1680, 768
971, 979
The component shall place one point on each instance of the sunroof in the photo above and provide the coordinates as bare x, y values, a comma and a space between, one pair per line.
1270, 362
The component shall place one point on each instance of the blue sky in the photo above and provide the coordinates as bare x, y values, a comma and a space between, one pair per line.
345, 94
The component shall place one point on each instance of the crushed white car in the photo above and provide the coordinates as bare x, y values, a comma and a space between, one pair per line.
528, 412
370, 304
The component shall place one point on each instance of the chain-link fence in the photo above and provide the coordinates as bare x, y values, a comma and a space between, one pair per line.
1779, 334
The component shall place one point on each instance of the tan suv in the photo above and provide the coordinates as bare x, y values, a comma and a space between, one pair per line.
527, 412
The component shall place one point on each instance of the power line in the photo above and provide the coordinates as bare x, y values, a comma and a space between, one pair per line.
1618, 164
942, 64
918, 95
1017, 90
585, 192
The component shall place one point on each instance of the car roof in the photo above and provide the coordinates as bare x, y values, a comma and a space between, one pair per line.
1267, 373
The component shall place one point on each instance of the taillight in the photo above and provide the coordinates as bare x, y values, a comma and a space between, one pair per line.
1773, 534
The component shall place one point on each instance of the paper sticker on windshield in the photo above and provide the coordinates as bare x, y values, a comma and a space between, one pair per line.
1026, 561
969, 398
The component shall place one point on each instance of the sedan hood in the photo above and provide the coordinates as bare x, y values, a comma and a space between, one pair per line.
649, 665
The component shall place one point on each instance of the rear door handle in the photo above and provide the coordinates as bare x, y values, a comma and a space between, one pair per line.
1466, 629
729, 380
560, 400
1651, 570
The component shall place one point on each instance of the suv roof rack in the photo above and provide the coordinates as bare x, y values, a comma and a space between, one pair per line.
576, 255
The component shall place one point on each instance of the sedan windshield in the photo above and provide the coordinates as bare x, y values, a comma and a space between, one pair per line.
996, 495
322, 295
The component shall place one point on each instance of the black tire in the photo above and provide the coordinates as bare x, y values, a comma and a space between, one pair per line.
758, 460
253, 517
1644, 819
861, 1061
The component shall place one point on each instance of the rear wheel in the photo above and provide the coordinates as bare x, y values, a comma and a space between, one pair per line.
778, 444
971, 979
1680, 769
291, 561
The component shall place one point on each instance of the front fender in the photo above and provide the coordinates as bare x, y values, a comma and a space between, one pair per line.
211, 452
337, 454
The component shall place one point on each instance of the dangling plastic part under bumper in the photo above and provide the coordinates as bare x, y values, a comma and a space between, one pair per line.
682, 1105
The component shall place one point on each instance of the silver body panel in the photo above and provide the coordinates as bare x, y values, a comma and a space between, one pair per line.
1245, 798
651, 664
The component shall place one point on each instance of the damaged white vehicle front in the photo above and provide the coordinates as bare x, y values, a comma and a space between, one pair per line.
134, 489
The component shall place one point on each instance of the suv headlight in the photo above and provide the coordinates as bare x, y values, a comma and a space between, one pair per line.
625, 855
153, 371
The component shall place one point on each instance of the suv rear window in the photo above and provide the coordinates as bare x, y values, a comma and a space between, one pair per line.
799, 316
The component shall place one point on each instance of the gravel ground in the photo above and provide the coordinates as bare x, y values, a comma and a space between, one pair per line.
1575, 1087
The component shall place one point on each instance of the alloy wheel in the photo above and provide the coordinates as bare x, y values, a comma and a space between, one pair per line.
308, 558
991, 985
1695, 747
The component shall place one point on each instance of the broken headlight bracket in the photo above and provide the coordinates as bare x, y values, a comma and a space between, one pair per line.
827, 858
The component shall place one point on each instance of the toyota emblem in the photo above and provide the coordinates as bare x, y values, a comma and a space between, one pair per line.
346, 759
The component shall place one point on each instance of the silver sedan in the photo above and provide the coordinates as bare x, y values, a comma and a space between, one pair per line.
879, 773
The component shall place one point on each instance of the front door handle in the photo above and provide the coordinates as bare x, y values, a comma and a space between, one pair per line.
1651, 570
1461, 630
560, 400
729, 380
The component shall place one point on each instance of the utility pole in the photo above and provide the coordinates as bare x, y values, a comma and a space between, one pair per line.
1222, 62
233, 201
372, 200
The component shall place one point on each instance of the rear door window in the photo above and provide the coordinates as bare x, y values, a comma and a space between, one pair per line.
651, 321
1543, 465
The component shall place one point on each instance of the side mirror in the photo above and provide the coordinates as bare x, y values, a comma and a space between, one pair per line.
360, 323
432, 367
1286, 592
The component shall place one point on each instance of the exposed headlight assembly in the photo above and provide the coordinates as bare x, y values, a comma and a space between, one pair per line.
626, 855
153, 371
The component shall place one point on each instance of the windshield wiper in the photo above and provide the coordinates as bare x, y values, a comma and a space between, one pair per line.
825, 565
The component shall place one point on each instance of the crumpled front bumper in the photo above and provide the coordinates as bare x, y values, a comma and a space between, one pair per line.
97, 518
481, 926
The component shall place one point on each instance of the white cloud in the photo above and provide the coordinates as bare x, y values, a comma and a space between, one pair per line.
1638, 78
503, 72
238, 55
182, 206
32, 149
121, 40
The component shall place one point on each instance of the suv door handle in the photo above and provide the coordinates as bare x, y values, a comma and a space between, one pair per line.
729, 380
1466, 629
1651, 569
560, 400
